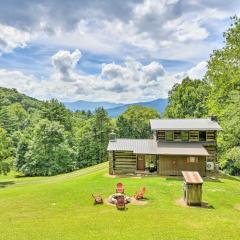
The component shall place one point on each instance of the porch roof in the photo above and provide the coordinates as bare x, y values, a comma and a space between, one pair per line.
150, 146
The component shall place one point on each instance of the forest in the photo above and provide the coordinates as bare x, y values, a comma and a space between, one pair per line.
43, 138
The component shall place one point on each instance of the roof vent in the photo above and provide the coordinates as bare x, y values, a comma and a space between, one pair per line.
113, 136
213, 118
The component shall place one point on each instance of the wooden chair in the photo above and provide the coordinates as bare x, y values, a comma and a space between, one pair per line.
119, 188
140, 193
120, 204
97, 199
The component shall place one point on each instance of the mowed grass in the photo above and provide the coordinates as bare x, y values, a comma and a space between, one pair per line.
61, 207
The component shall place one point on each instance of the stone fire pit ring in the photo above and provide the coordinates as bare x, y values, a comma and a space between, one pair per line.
113, 198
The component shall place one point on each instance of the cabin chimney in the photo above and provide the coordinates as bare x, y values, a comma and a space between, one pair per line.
213, 118
113, 136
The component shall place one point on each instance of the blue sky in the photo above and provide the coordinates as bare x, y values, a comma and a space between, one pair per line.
120, 51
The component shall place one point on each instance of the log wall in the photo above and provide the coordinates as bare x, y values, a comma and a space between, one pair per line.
124, 162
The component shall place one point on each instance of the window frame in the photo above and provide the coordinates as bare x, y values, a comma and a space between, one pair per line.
192, 159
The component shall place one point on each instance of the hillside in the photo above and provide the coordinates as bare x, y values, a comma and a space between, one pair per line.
9, 96
61, 207
158, 104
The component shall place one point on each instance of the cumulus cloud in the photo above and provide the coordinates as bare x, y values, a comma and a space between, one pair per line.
145, 30
11, 38
166, 29
126, 82
64, 63
152, 26
198, 71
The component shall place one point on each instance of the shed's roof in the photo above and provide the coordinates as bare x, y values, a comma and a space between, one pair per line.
150, 146
184, 124
192, 177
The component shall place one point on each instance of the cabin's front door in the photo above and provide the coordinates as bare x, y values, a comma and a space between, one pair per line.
141, 162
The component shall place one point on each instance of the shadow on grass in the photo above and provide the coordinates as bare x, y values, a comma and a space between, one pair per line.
172, 178
229, 177
6, 184
205, 205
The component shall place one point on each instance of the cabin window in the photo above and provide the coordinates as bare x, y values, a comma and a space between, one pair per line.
185, 136
177, 135
192, 159
202, 136
169, 135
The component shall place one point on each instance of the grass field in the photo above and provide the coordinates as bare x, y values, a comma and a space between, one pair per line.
61, 207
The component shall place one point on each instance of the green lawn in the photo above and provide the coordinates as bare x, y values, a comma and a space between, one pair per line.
61, 207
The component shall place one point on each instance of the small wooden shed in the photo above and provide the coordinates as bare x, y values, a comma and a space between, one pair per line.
192, 188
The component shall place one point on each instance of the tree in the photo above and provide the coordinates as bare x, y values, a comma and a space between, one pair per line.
48, 152
13, 117
224, 70
5, 152
229, 140
134, 122
231, 162
224, 96
187, 99
56, 111
92, 139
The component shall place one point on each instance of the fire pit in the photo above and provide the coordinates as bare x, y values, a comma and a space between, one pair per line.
113, 198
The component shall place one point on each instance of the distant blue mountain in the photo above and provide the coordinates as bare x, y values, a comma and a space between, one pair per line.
115, 109
158, 104
86, 105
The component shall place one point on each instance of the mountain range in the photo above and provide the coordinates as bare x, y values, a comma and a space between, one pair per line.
115, 109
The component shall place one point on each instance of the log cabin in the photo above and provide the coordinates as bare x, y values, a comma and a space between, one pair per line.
177, 145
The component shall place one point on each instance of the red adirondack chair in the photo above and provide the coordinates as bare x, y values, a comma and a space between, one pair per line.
140, 193
120, 204
97, 199
119, 188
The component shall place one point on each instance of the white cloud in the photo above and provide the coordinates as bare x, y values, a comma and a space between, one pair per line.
127, 82
184, 30
11, 38
148, 28
198, 71
64, 63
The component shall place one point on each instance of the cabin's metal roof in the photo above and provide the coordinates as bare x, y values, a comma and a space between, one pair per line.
151, 146
192, 177
184, 124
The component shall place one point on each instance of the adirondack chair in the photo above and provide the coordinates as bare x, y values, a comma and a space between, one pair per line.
120, 204
119, 188
97, 199
140, 193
